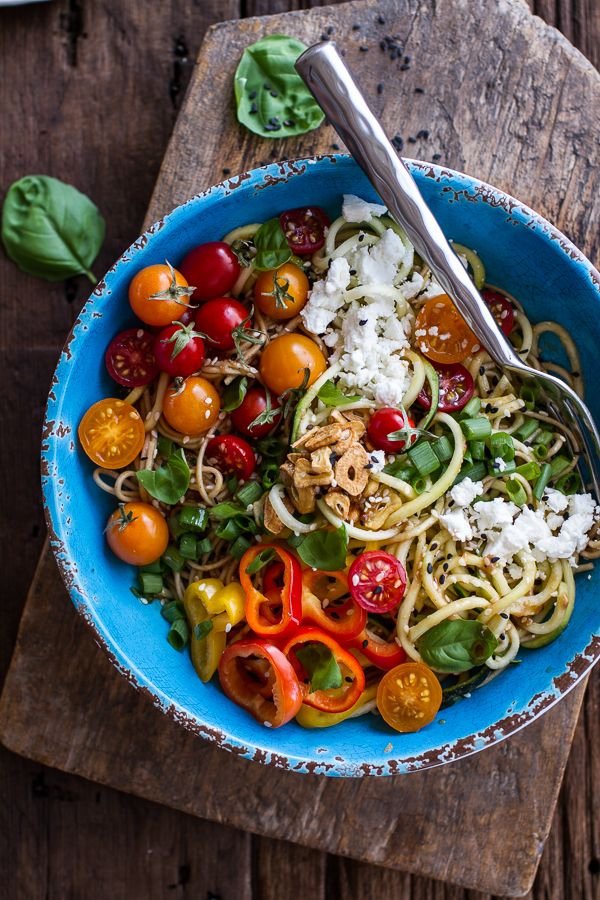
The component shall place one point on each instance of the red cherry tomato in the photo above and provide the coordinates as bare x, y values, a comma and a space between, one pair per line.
304, 228
179, 350
456, 388
218, 318
377, 581
502, 309
130, 358
256, 403
232, 455
384, 422
212, 267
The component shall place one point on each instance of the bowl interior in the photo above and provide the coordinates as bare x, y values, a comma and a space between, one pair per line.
523, 255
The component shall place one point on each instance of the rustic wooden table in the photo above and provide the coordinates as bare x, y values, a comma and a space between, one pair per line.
62, 837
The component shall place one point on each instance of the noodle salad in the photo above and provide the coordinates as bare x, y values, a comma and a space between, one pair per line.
339, 502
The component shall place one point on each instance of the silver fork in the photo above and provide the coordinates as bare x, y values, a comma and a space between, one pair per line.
333, 87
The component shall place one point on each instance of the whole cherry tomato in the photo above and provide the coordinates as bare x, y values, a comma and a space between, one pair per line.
130, 358
285, 359
213, 267
137, 533
219, 318
304, 228
409, 696
159, 294
232, 455
456, 388
193, 407
441, 332
385, 422
377, 581
502, 309
281, 293
258, 413
179, 350
112, 433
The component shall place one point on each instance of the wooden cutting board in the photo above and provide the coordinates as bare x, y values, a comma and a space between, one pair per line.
489, 90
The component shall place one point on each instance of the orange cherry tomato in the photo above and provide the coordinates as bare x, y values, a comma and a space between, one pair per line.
284, 360
281, 293
112, 433
159, 295
194, 407
137, 533
441, 332
409, 696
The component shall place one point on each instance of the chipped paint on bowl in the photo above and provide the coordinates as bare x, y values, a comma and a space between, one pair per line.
525, 255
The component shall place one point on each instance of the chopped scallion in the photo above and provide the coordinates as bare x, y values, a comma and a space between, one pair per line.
477, 449
569, 483
154, 568
173, 558
475, 472
525, 430
558, 464
516, 492
188, 547
172, 611
179, 634
471, 409
423, 458
419, 484
543, 479
502, 446
193, 518
150, 583
443, 448
249, 493
203, 547
529, 395
529, 470
476, 429
239, 546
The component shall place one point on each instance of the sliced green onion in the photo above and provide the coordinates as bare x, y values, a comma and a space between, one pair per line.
269, 475
400, 468
165, 446
529, 395
507, 469
239, 546
516, 492
543, 479
179, 634
203, 547
442, 448
193, 518
423, 458
529, 470
150, 583
502, 446
173, 558
471, 409
232, 484
475, 472
544, 437
419, 484
172, 611
229, 530
188, 547
558, 464
476, 429
249, 493
526, 429
175, 526
154, 568
569, 483
477, 449
540, 451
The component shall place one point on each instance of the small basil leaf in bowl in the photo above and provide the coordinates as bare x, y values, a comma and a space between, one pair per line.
50, 229
325, 550
272, 248
272, 100
457, 645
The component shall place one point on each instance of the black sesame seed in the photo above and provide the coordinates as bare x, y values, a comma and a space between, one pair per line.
494, 559
575, 374
419, 90
274, 94
436, 156
412, 140
445, 567
404, 67
504, 615
434, 546
226, 171
362, 321
397, 142
380, 88
442, 579
502, 636
274, 120
253, 109
335, 615
252, 95
330, 29
361, 237
482, 370
364, 49
423, 134
378, 589
429, 568
324, 37
289, 123
356, 27
348, 678
352, 271
335, 146
382, 45
364, 643
267, 87
380, 20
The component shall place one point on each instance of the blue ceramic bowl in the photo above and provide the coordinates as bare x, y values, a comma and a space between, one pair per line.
523, 254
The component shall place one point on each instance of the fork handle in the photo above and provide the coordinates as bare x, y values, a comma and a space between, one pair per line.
335, 90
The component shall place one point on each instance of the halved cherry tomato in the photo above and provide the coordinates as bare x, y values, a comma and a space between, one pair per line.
456, 388
441, 332
281, 293
232, 455
377, 581
326, 601
112, 433
130, 358
193, 407
179, 350
409, 697
257, 404
159, 294
328, 699
213, 267
385, 654
304, 228
502, 309
284, 361
137, 533
219, 318
383, 423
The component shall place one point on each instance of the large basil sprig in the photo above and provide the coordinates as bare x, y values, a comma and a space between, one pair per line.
167, 483
272, 248
50, 229
272, 100
457, 645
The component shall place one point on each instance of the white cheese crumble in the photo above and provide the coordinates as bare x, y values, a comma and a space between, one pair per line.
457, 524
499, 464
354, 209
377, 460
465, 491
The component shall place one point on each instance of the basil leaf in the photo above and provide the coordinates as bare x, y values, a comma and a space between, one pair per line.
167, 483
50, 229
202, 629
260, 560
226, 510
331, 395
324, 550
321, 667
234, 393
272, 99
272, 248
456, 646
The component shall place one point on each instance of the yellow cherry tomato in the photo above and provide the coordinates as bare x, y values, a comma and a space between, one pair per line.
409, 696
137, 533
194, 407
284, 360
159, 294
441, 332
281, 293
112, 433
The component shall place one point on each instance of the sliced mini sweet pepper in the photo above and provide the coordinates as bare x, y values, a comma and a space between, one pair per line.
328, 659
206, 644
278, 612
326, 602
256, 675
385, 654
309, 717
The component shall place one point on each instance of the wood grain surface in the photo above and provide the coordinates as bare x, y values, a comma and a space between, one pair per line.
90, 93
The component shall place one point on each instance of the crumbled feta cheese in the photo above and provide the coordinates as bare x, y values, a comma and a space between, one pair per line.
465, 491
355, 209
515, 571
377, 459
379, 263
494, 514
457, 524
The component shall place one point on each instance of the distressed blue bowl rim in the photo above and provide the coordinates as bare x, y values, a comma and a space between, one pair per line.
270, 754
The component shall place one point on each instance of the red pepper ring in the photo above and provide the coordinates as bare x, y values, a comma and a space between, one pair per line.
333, 700
383, 654
322, 604
259, 606
271, 692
